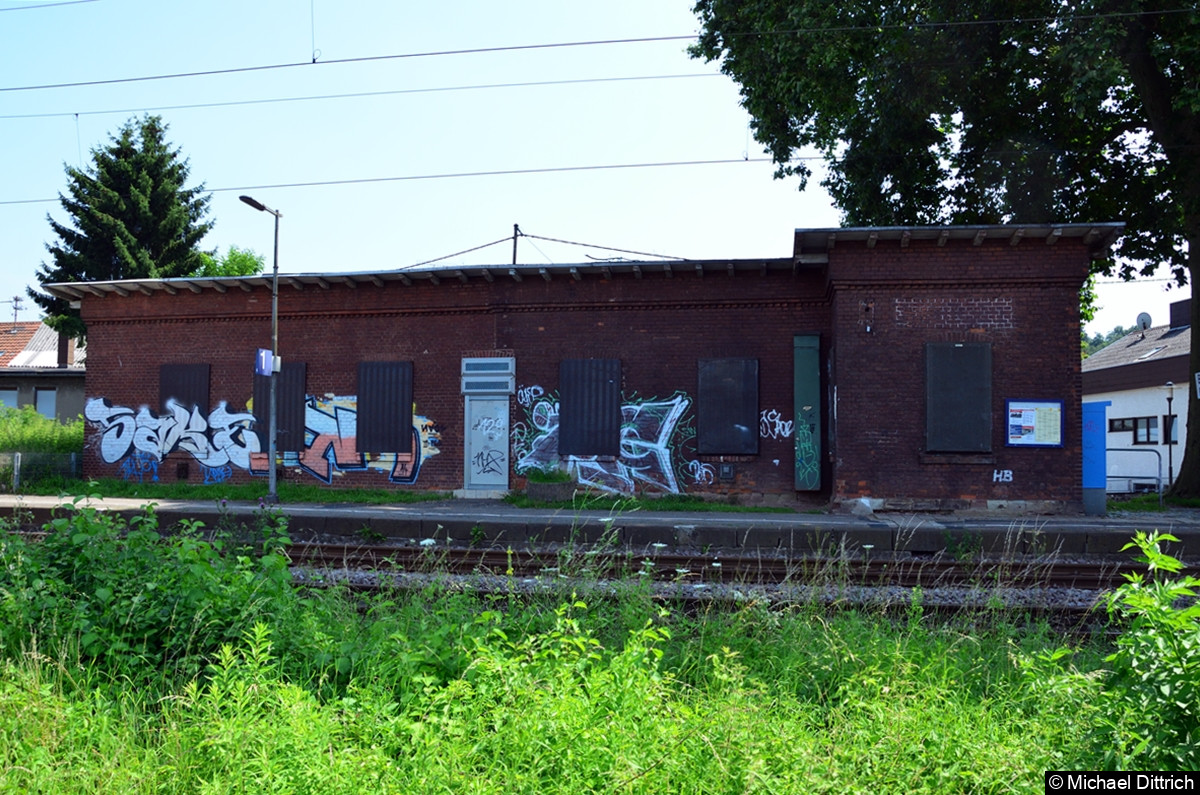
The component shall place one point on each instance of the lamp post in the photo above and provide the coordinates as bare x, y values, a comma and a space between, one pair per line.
1170, 423
272, 494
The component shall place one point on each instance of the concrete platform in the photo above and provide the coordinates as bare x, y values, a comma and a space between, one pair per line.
491, 522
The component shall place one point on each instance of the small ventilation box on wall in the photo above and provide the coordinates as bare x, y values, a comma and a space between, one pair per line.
488, 376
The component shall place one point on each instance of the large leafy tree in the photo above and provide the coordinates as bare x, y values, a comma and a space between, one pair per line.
986, 111
131, 216
235, 262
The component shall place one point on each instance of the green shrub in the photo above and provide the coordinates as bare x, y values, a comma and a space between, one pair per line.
549, 474
123, 597
24, 430
1143, 711
1154, 685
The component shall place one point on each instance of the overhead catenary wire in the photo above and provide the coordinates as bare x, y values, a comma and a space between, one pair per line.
336, 61
457, 253
823, 30
48, 5
358, 95
517, 233
461, 175
603, 248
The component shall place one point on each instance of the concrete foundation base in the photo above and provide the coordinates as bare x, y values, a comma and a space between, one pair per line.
1095, 502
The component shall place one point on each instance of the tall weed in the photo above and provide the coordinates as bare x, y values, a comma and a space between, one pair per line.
135, 603
1154, 687
27, 431
1142, 712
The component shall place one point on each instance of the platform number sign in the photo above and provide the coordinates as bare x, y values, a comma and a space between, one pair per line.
263, 361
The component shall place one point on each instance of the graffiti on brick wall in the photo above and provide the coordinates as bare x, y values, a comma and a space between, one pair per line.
223, 438
774, 425
808, 467
702, 472
526, 395
139, 441
140, 467
653, 434
330, 444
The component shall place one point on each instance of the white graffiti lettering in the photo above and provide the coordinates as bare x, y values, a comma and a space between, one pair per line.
117, 427
773, 425
178, 429
491, 427
226, 439
527, 394
649, 436
702, 473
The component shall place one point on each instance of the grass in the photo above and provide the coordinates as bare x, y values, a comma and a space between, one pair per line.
303, 493
602, 501
538, 698
1150, 503
249, 492
130, 662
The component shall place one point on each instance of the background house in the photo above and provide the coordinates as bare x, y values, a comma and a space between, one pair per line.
914, 368
40, 369
1132, 374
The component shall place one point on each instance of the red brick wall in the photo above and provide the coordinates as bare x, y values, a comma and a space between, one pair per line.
657, 326
1023, 299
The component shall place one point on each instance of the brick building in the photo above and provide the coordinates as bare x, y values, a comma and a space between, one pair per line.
922, 367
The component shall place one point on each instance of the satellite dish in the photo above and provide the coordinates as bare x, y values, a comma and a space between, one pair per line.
1143, 321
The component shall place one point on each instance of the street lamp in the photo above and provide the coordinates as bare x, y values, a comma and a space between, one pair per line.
272, 494
1170, 423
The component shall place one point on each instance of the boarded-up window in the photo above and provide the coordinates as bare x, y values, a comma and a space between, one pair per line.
958, 397
290, 397
589, 418
727, 407
186, 384
385, 397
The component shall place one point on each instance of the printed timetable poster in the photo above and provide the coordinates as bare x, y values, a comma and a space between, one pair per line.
1035, 423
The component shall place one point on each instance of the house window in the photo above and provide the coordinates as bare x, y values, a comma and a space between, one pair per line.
958, 397
1124, 424
727, 407
186, 384
385, 398
46, 402
8, 398
1145, 430
589, 414
290, 408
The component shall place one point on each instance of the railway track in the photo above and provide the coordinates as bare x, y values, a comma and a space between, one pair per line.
667, 565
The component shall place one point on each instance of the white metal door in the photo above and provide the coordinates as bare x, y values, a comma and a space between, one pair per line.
486, 456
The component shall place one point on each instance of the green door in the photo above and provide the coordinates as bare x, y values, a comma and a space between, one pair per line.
807, 390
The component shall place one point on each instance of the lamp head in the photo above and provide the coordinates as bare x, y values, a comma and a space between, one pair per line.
254, 203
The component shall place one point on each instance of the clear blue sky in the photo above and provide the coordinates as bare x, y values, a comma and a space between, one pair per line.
635, 103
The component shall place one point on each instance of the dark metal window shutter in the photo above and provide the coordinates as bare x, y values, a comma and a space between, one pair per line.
292, 404
727, 407
187, 384
958, 397
385, 397
589, 394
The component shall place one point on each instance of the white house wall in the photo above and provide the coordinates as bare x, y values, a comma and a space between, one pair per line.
1130, 466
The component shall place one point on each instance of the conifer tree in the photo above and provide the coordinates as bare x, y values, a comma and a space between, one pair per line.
131, 216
